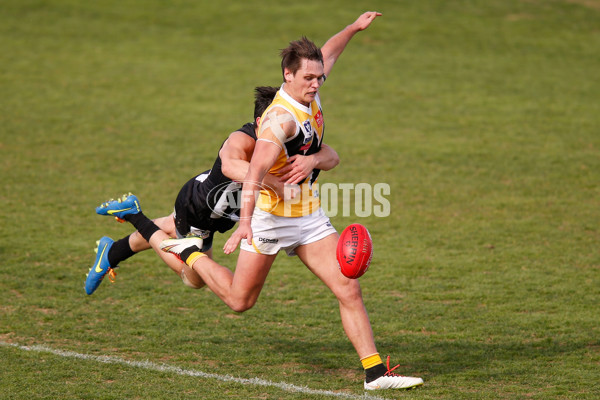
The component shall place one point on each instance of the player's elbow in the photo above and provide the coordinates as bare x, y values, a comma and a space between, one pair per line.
231, 169
227, 169
335, 160
225, 164
332, 161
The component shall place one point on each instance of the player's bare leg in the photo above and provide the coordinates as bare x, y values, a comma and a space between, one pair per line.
167, 230
239, 290
166, 224
319, 257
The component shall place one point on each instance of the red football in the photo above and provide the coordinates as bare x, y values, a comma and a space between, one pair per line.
354, 251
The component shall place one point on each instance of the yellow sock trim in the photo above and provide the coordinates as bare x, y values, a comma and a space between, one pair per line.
371, 361
193, 258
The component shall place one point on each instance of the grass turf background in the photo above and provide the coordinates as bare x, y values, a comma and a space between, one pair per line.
481, 115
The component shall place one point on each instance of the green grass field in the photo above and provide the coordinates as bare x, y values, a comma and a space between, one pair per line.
483, 116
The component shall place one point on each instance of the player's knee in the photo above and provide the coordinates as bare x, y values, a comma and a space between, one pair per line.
189, 284
194, 284
349, 293
241, 305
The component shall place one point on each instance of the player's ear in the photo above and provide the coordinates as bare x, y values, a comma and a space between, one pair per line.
257, 121
287, 74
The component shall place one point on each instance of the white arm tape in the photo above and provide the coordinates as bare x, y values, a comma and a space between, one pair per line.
280, 145
275, 123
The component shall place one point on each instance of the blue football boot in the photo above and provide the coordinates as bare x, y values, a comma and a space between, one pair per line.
128, 204
101, 267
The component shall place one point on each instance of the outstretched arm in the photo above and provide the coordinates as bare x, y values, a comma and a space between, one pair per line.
336, 44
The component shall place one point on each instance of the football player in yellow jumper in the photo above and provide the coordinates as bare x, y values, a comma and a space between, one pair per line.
293, 126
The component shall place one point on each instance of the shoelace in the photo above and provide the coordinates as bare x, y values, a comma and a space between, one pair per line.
112, 277
389, 371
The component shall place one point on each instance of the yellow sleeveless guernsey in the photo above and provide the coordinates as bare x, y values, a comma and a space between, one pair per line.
307, 140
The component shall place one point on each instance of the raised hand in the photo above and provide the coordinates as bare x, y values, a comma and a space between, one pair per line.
365, 20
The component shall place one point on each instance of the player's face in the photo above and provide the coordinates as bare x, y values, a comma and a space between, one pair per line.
304, 85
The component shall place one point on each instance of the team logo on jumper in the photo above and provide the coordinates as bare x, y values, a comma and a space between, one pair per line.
307, 131
226, 200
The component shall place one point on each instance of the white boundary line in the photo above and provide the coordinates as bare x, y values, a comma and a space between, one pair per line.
149, 365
